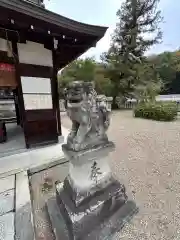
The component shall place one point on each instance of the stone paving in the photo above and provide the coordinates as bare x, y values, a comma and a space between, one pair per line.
15, 208
7, 194
16, 220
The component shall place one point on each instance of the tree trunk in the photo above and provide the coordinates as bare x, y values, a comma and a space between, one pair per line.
114, 103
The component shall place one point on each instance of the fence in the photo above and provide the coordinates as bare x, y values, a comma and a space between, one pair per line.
131, 103
127, 105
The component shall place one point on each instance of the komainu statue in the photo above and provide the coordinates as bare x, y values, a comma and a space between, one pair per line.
90, 203
89, 114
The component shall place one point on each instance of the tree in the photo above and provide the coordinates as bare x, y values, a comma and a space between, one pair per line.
80, 70
137, 20
103, 84
76, 71
86, 70
149, 82
167, 64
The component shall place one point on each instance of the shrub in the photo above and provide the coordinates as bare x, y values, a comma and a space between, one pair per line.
160, 111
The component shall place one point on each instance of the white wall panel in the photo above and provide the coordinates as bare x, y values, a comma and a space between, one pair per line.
36, 85
37, 101
34, 53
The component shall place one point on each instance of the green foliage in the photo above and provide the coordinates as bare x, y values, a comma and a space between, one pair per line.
103, 86
76, 71
86, 70
47, 185
149, 83
167, 65
160, 111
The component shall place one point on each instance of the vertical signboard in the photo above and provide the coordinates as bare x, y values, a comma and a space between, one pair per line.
36, 68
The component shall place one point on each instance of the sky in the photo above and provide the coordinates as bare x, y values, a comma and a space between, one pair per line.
103, 13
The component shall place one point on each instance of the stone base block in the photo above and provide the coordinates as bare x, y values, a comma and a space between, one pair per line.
80, 201
91, 165
97, 217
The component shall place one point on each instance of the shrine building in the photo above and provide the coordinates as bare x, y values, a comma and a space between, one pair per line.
35, 44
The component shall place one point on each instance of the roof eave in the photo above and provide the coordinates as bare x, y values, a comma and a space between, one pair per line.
53, 18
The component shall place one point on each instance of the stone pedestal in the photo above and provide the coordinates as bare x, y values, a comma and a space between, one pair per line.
90, 203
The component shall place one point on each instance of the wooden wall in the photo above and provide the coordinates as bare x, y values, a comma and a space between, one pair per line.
36, 76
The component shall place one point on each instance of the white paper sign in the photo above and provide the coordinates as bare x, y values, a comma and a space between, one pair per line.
36, 85
37, 101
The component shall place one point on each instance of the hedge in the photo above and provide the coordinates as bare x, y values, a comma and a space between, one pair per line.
160, 111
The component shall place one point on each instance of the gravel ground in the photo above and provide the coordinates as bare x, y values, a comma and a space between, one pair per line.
147, 161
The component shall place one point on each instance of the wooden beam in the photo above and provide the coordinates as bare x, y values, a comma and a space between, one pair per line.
30, 70
20, 93
16, 102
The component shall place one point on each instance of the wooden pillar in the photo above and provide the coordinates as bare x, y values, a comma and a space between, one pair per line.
56, 94
16, 103
19, 90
